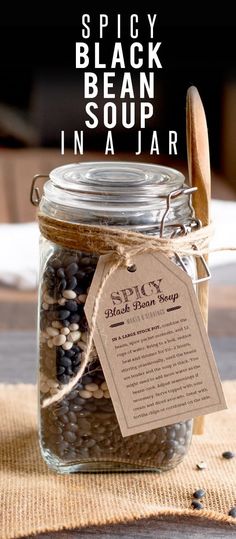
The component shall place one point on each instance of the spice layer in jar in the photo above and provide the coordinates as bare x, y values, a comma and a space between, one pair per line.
81, 432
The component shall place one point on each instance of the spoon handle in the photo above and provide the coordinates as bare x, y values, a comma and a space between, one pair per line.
200, 177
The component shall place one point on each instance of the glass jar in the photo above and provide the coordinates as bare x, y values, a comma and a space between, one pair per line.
81, 432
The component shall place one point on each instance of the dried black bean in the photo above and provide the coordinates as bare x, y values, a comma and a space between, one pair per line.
171, 433
62, 286
65, 361
70, 436
182, 429
78, 386
100, 375
60, 352
76, 361
79, 401
62, 314
75, 407
90, 443
69, 258
85, 261
79, 290
72, 417
65, 323
73, 427
60, 370
55, 429
63, 379
62, 410
80, 275
228, 455
169, 453
83, 324
71, 283
72, 395
57, 438
76, 349
87, 379
74, 318
89, 270
51, 285
90, 406
71, 305
50, 271
71, 269
232, 512
83, 423
199, 493
197, 505
55, 263
70, 353
61, 273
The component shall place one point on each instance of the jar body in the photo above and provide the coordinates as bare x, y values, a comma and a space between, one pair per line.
81, 432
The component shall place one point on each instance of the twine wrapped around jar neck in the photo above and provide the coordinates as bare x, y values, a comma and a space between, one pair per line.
126, 243
122, 244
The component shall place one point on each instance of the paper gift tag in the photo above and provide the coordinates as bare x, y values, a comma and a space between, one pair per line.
152, 344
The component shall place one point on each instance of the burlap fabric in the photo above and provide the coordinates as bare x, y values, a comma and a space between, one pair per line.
34, 499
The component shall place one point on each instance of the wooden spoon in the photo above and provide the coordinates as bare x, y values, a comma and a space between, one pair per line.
200, 177
198, 154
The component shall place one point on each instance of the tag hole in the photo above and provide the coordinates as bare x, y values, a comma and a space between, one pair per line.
132, 268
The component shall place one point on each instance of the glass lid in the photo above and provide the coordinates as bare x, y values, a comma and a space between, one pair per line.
116, 178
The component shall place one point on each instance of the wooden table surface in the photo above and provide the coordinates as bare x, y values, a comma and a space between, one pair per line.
17, 324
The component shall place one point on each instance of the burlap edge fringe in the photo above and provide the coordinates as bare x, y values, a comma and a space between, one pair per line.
202, 514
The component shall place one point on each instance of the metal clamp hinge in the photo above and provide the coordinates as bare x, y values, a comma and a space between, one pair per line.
35, 196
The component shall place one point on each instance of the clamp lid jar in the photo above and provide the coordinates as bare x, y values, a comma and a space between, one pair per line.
80, 432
